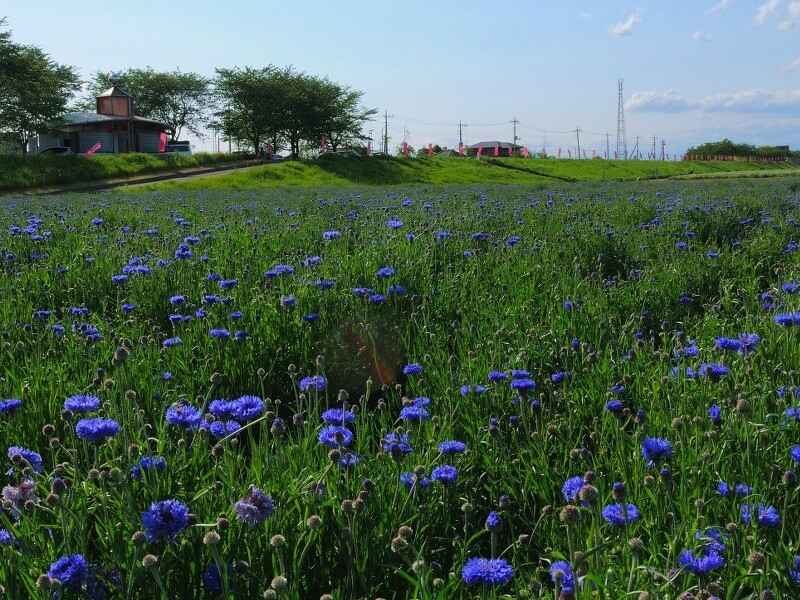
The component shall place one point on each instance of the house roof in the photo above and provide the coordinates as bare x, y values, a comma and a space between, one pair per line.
89, 118
486, 145
114, 90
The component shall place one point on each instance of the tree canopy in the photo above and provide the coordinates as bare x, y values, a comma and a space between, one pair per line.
34, 89
178, 100
726, 147
287, 108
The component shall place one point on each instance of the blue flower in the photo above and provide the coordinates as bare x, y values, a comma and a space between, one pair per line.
414, 413
562, 576
656, 449
571, 488
522, 384
331, 235
493, 521
219, 333
794, 453
477, 389
227, 284
742, 489
279, 270
148, 463
766, 516
385, 272
723, 489
411, 481
794, 574
34, 459
97, 429
713, 371
487, 571
495, 376
184, 415
335, 436
10, 405
255, 507
396, 444
620, 514
412, 369
614, 406
715, 414
446, 474
338, 416
6, 539
247, 408
165, 519
701, 564
315, 382
71, 570
452, 447
172, 342
787, 319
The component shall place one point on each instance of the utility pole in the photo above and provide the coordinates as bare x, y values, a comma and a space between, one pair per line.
635, 153
386, 117
578, 134
461, 133
653, 155
514, 122
663, 148
608, 146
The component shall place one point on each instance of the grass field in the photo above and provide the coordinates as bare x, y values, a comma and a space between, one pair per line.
18, 172
589, 389
342, 171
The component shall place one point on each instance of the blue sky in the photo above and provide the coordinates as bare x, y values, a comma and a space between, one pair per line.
694, 69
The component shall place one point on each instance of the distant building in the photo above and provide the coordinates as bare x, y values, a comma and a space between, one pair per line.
488, 148
113, 128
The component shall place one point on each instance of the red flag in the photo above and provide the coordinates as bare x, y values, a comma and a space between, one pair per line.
496, 150
430, 149
94, 149
461, 149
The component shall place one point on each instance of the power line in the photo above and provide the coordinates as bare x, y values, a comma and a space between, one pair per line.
514, 122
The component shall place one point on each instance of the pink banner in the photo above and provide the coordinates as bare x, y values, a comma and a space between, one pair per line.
525, 153
94, 149
162, 142
496, 150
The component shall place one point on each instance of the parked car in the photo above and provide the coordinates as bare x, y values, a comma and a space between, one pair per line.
183, 147
56, 150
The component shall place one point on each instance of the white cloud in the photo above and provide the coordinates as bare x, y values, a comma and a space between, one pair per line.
626, 27
701, 36
793, 66
765, 11
782, 102
719, 7
792, 16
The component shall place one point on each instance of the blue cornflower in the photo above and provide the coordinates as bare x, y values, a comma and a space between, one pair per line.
787, 319
412, 369
493, 521
562, 576
247, 408
560, 377
766, 516
790, 287
715, 414
279, 270
411, 481
34, 459
614, 406
446, 474
742, 489
349, 459
10, 405
177, 300
184, 415
701, 564
227, 284
219, 333
713, 371
6, 539
315, 382
394, 223
331, 235
396, 444
571, 488
487, 571
414, 413
385, 272
377, 298
794, 453
794, 574
172, 342
656, 449
97, 429
723, 489
452, 447
423, 401
148, 463
620, 514
495, 376
335, 436
477, 389
255, 507
522, 384
165, 519
338, 416
71, 570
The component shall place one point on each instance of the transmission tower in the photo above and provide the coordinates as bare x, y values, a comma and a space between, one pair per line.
622, 144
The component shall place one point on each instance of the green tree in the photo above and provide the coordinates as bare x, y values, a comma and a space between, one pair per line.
176, 99
251, 105
34, 90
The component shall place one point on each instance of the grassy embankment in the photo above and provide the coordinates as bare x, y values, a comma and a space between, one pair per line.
20, 172
341, 171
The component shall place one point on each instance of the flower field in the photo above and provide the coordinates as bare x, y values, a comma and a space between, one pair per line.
423, 392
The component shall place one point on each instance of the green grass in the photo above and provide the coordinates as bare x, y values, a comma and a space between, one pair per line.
344, 171
25, 172
635, 259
